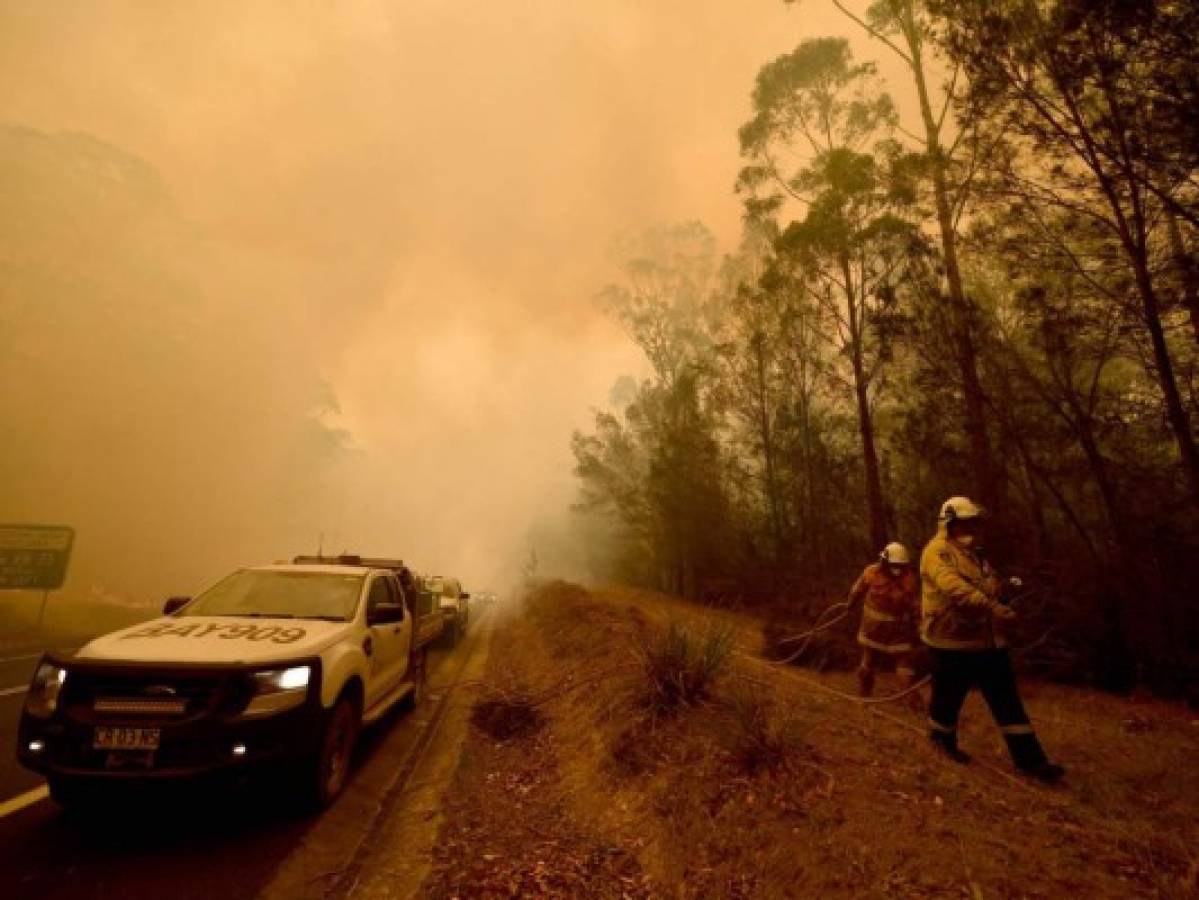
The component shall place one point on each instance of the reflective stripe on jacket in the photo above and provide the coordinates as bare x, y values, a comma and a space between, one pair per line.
889, 609
959, 594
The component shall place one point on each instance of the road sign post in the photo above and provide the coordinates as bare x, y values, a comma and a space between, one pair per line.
34, 557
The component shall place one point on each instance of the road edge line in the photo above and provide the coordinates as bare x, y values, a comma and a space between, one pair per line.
19, 802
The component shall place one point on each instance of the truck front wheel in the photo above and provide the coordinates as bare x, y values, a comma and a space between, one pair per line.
327, 773
420, 675
70, 793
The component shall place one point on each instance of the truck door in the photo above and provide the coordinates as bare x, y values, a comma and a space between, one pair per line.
409, 600
389, 639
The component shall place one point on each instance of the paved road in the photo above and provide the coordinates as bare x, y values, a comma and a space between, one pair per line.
15, 672
230, 844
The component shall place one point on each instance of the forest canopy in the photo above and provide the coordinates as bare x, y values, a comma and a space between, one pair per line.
999, 298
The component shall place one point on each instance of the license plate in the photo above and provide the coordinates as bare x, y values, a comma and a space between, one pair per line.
116, 738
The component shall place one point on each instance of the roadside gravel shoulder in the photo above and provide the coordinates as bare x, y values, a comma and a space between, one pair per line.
508, 826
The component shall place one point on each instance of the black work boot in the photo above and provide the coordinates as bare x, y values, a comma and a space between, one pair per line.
1030, 758
1045, 771
948, 745
865, 682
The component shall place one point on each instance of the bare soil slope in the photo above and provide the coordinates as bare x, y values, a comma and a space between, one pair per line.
577, 781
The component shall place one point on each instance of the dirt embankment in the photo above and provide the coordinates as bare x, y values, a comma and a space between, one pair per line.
586, 776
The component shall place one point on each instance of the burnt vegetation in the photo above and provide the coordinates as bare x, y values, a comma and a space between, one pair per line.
507, 718
768, 784
994, 296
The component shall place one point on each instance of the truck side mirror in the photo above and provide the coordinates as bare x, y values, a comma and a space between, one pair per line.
174, 604
465, 595
383, 613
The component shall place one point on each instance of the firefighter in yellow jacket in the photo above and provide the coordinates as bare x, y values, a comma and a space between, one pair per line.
962, 622
890, 608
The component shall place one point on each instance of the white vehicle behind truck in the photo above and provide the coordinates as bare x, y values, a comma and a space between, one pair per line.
453, 602
273, 664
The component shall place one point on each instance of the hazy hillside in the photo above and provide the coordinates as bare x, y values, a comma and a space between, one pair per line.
151, 405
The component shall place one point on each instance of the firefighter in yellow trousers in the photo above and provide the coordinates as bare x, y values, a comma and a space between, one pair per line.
962, 622
890, 609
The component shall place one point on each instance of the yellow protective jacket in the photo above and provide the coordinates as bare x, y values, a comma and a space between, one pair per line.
960, 609
889, 609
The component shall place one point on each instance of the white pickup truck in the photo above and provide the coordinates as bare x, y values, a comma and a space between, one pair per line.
273, 663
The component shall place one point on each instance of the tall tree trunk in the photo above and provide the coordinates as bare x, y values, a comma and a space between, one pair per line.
1034, 469
766, 434
813, 536
1084, 431
874, 484
985, 474
861, 387
1188, 271
1176, 412
1133, 229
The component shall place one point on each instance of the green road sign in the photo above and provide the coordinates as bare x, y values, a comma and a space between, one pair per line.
34, 557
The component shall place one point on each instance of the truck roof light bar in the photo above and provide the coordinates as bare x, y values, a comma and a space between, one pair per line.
350, 559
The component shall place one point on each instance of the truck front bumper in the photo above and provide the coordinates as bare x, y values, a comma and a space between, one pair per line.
212, 740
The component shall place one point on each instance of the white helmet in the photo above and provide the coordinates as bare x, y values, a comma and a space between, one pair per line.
957, 508
895, 554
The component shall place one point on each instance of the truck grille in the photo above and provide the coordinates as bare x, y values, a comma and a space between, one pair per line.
143, 694
147, 707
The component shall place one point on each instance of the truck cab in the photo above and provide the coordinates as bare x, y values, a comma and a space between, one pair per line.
282, 663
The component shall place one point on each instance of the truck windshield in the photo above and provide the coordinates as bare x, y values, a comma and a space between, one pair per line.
288, 595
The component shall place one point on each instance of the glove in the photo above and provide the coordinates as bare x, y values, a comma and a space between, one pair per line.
1003, 613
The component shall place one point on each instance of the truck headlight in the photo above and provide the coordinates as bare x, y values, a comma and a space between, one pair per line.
44, 691
276, 690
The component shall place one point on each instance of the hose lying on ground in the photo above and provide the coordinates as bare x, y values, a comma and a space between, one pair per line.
806, 637
819, 627
866, 701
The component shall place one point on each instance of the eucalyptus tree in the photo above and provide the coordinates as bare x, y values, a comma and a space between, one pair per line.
1063, 368
906, 29
805, 426
663, 296
849, 249
751, 387
657, 467
1077, 87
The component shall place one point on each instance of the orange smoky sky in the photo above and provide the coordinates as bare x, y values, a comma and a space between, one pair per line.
390, 216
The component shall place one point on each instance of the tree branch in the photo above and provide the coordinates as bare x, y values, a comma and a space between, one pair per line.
873, 32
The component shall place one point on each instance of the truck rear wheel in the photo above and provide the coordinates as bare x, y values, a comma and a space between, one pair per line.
327, 772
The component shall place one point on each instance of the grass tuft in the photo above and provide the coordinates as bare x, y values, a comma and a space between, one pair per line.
681, 666
761, 741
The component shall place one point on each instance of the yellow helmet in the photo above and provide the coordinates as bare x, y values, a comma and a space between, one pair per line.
895, 554
957, 508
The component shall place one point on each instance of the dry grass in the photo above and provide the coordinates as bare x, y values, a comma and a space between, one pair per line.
769, 788
763, 739
681, 665
509, 829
